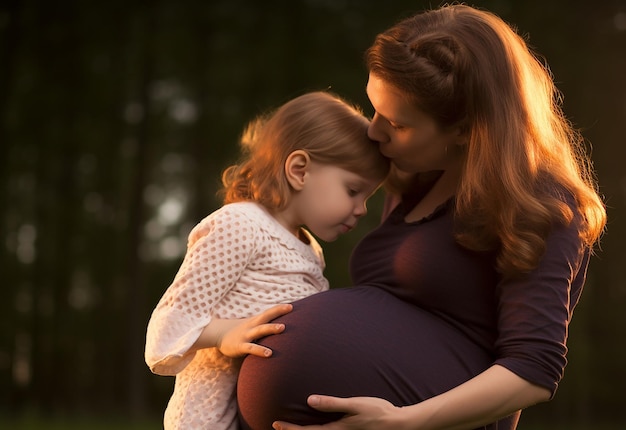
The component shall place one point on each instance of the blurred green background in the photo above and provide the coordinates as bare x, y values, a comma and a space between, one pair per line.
116, 119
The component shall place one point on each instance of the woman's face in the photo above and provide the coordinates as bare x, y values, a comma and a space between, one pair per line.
408, 136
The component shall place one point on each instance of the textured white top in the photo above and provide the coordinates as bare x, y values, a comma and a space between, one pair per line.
239, 262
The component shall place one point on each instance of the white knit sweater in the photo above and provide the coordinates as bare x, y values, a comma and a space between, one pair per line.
239, 262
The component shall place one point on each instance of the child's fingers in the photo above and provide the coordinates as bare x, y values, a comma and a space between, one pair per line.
258, 350
259, 332
272, 313
263, 330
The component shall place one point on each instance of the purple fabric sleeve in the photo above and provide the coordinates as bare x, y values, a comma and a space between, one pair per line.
534, 313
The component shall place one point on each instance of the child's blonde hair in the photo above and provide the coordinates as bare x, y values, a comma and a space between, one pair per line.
328, 128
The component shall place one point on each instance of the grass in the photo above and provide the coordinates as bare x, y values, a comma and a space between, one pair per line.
31, 423
573, 427
91, 423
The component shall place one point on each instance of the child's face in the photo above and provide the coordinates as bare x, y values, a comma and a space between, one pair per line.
331, 200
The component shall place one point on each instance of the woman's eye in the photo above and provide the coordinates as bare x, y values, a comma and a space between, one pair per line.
352, 192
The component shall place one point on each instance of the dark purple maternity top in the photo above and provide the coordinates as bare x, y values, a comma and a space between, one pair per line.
455, 318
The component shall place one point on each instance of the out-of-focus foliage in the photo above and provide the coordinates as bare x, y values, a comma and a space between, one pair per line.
116, 119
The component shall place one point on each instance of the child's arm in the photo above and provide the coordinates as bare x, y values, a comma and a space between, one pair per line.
187, 306
235, 337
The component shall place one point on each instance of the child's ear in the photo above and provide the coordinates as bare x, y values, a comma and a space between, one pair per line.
296, 167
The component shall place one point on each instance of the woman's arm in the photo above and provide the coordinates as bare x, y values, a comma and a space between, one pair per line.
491, 395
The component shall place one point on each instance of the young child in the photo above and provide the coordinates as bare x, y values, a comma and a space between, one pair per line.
309, 163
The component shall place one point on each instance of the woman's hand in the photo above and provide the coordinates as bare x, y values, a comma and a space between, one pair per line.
491, 395
235, 337
362, 413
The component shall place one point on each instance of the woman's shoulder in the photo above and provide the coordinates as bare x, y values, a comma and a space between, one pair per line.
565, 207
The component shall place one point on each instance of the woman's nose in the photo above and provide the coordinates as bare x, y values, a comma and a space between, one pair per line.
375, 130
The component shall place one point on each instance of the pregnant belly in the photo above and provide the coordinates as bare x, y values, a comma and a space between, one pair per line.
358, 341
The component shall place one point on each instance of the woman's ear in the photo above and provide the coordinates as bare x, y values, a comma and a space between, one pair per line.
297, 166
462, 135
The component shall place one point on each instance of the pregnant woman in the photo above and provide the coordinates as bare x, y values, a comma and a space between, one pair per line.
463, 295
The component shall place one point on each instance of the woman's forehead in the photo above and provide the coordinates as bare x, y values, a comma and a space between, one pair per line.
389, 101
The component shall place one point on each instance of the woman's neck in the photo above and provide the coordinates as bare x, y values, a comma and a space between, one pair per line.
443, 189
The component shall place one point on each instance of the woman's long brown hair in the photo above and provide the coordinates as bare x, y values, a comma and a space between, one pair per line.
524, 161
